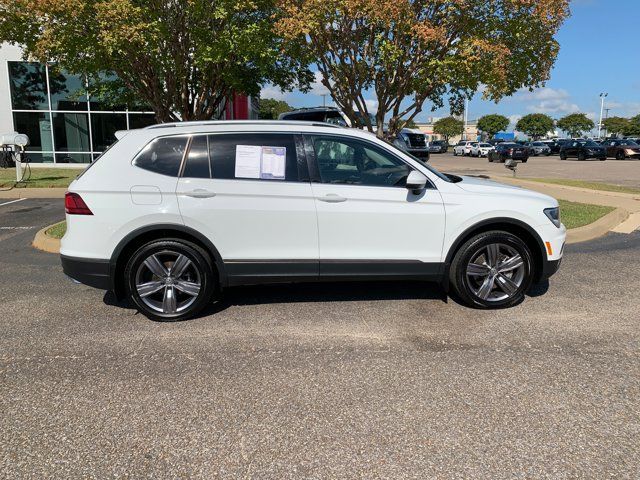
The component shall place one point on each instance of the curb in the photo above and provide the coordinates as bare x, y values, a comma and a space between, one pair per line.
598, 228
46, 243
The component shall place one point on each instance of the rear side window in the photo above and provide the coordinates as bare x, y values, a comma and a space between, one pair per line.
256, 156
197, 163
163, 155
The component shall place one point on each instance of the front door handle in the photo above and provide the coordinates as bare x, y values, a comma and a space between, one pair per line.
200, 193
332, 198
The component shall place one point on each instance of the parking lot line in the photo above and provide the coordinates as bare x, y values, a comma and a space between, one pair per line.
12, 201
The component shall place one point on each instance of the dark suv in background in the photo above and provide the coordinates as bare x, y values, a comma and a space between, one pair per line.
582, 150
621, 149
506, 150
438, 146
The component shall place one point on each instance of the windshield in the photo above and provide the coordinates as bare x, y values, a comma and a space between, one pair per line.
589, 143
372, 119
628, 142
437, 173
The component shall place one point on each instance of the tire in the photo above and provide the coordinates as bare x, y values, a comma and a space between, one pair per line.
159, 295
620, 155
563, 156
581, 156
489, 287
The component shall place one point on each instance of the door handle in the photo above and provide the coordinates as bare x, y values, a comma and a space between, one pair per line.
332, 198
200, 193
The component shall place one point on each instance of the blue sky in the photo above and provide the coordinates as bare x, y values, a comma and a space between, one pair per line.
599, 52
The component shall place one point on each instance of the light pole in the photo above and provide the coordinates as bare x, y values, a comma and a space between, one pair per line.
466, 112
602, 97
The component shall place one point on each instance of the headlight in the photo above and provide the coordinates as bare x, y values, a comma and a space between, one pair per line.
553, 214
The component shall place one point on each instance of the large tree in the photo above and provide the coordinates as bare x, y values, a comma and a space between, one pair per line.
535, 125
633, 127
183, 58
406, 53
575, 124
615, 125
448, 127
270, 109
492, 124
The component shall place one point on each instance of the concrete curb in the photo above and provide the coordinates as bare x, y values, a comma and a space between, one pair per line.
33, 193
598, 228
44, 242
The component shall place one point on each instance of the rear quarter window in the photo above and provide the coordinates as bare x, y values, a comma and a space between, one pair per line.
163, 155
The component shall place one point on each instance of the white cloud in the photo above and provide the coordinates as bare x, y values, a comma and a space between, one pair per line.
542, 94
270, 91
513, 119
317, 88
554, 106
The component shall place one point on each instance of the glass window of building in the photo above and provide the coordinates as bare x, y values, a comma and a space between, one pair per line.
37, 126
104, 127
71, 132
68, 92
28, 83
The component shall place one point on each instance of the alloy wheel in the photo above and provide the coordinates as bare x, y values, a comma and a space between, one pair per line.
168, 282
495, 272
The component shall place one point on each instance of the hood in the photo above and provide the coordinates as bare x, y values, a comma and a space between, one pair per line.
490, 187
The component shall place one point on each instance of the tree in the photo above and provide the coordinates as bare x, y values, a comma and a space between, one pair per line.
448, 127
183, 58
575, 124
633, 127
270, 108
408, 52
535, 124
410, 124
492, 124
615, 125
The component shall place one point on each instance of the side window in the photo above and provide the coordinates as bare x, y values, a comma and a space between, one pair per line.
259, 154
197, 162
352, 162
163, 155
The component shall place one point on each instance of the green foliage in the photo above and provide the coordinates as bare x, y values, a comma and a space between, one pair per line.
575, 124
492, 124
535, 124
183, 58
270, 108
633, 127
448, 127
615, 125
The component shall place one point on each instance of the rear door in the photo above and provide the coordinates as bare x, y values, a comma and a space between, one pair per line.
369, 223
250, 194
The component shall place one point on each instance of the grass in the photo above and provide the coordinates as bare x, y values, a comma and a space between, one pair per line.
605, 187
40, 177
57, 231
576, 215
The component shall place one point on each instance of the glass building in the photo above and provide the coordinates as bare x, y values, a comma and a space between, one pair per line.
64, 124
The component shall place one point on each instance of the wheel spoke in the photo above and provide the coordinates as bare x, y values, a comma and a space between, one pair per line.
179, 266
149, 288
493, 252
169, 300
477, 270
190, 288
510, 264
507, 285
156, 266
486, 287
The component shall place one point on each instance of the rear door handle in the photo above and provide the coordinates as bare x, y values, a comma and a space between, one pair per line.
200, 193
332, 198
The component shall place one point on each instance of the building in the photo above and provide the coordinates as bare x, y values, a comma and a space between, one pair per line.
66, 126
471, 131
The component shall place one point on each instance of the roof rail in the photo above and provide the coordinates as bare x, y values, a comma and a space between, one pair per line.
240, 122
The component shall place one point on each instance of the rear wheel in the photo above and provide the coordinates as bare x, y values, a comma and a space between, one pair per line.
170, 279
492, 270
563, 156
581, 156
620, 155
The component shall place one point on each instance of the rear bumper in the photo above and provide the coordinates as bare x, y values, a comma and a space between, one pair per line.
88, 271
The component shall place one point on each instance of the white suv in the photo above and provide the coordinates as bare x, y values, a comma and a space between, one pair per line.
172, 214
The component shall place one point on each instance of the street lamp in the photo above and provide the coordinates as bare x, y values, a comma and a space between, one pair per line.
602, 97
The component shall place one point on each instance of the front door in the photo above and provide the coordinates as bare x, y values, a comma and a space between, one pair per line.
251, 196
369, 223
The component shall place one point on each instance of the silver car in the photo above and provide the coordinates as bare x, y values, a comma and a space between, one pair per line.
539, 148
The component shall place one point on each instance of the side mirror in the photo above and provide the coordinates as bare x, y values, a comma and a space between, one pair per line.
416, 182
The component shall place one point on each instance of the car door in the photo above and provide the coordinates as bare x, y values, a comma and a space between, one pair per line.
250, 195
369, 223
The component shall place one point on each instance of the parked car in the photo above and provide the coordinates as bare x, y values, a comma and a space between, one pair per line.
412, 141
509, 150
496, 141
481, 149
539, 148
438, 146
174, 214
582, 150
463, 147
621, 149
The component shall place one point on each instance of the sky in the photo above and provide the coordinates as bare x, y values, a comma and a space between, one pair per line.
599, 52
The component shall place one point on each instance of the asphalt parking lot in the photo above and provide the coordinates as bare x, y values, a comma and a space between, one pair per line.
617, 172
320, 381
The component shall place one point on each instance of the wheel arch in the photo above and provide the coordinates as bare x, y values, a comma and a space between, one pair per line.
140, 236
511, 225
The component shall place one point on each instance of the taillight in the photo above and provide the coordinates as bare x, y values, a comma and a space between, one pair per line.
74, 205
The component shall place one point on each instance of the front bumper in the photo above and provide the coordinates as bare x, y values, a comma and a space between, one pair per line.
89, 271
554, 240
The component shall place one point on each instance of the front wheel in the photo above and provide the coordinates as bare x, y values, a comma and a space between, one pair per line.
563, 156
170, 279
492, 270
582, 157
620, 155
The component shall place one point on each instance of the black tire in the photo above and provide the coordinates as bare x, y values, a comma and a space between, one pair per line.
463, 283
620, 155
563, 156
581, 156
198, 272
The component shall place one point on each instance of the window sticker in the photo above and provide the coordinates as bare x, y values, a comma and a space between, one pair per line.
254, 161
